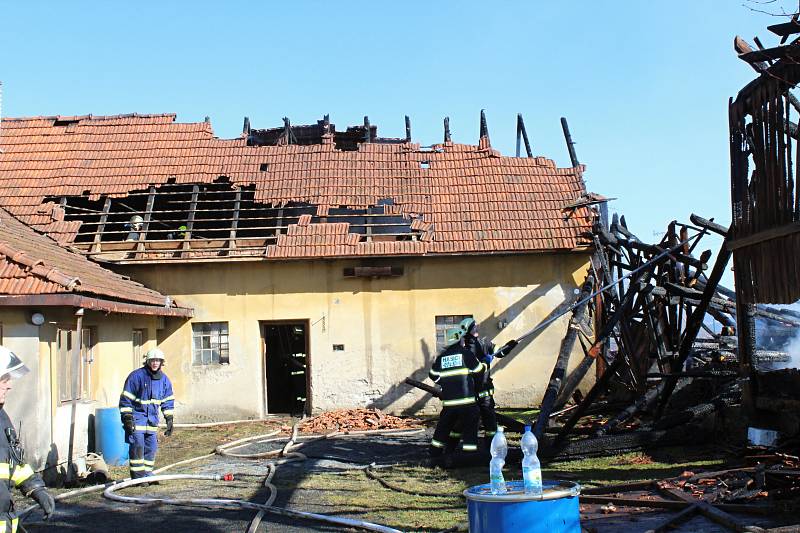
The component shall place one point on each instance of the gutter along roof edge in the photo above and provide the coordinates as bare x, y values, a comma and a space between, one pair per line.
93, 304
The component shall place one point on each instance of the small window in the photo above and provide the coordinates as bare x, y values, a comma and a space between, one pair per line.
138, 340
210, 343
443, 323
424, 165
263, 167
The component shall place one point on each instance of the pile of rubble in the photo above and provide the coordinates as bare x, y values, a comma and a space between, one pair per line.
356, 420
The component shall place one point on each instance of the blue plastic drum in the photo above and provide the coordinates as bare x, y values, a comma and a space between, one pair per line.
555, 511
110, 437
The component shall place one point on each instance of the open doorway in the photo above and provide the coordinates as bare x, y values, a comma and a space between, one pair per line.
287, 366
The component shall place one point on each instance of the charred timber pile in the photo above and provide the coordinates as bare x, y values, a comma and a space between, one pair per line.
653, 347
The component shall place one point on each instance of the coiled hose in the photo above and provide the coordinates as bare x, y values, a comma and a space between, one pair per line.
282, 456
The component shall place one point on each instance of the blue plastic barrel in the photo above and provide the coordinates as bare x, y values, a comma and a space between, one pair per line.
555, 511
109, 436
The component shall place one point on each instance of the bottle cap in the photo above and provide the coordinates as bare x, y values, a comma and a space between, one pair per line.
527, 429
500, 429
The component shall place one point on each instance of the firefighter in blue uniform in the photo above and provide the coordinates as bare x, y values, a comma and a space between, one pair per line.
13, 470
146, 390
453, 370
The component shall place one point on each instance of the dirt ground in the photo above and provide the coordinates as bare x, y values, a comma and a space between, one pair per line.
332, 480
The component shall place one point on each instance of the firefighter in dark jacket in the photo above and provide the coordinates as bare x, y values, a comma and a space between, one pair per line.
453, 370
147, 390
13, 470
484, 351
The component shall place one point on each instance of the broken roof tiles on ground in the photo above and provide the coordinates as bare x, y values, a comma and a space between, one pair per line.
33, 264
80, 179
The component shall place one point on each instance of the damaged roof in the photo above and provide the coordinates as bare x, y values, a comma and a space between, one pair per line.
34, 264
452, 198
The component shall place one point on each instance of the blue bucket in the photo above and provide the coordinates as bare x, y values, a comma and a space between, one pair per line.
555, 511
110, 437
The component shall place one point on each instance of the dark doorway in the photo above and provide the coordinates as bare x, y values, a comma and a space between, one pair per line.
286, 364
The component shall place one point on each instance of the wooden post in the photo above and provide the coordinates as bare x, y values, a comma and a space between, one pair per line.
190, 222
560, 368
484, 127
522, 133
151, 197
695, 322
570, 143
235, 221
97, 246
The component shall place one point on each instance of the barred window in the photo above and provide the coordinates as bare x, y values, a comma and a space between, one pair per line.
210, 343
443, 323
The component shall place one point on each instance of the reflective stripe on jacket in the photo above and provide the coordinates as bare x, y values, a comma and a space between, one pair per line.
144, 396
454, 370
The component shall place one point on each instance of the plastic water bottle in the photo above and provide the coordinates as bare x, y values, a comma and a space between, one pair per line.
498, 449
531, 468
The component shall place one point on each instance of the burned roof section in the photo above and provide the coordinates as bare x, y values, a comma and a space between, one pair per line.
369, 196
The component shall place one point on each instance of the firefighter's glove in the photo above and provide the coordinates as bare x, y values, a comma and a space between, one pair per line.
45, 501
507, 347
170, 423
488, 358
127, 423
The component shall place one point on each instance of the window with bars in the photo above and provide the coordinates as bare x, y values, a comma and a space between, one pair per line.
443, 323
210, 343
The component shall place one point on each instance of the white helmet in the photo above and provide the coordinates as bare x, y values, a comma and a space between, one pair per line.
11, 365
155, 353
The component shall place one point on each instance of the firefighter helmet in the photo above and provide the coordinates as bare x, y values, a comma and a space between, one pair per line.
467, 325
453, 335
11, 365
155, 353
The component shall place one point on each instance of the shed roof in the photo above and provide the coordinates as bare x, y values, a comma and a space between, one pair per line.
456, 198
34, 264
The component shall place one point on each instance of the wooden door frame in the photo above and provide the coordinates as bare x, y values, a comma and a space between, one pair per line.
262, 325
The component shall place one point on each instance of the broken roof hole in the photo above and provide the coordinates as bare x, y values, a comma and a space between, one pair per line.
202, 220
425, 165
263, 167
65, 122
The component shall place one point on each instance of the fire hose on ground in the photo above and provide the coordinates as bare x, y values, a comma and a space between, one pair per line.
285, 455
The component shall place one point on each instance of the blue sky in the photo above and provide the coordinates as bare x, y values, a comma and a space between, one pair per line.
644, 84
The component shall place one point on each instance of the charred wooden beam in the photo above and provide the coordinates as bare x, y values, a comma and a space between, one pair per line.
151, 197
367, 130
522, 134
103, 218
190, 222
694, 322
447, 129
408, 129
573, 157
560, 369
235, 222
484, 127
709, 224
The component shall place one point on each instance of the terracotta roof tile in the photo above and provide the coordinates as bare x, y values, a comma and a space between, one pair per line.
471, 199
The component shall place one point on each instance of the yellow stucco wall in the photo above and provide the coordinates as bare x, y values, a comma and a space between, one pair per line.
386, 325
